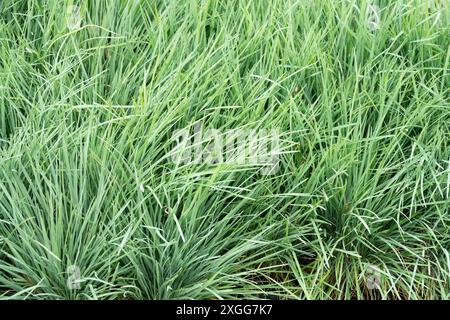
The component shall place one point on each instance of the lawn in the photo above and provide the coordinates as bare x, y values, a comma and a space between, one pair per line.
223, 149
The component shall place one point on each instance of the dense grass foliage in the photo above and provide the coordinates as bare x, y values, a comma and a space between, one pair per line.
86, 179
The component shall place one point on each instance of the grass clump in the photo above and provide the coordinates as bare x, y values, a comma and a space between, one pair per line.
92, 91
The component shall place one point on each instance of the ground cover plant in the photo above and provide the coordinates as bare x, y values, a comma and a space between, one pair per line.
94, 205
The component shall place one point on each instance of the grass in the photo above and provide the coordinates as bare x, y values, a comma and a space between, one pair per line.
86, 180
